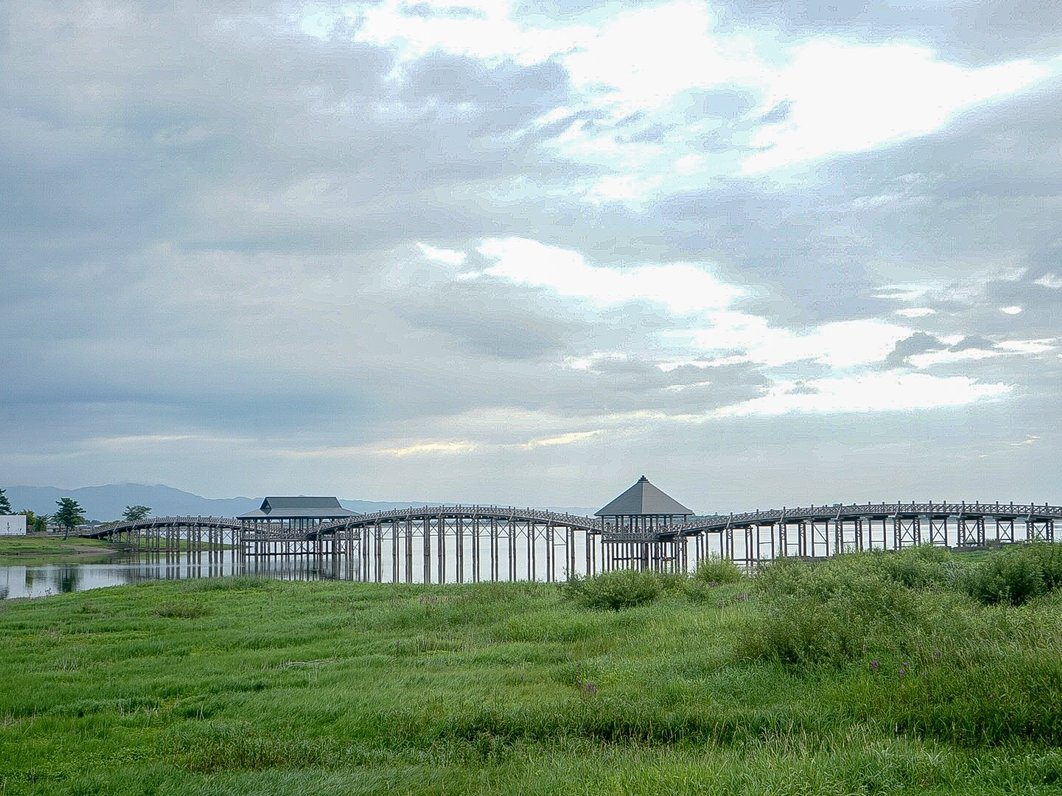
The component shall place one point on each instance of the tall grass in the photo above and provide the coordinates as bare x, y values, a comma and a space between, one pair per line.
867, 674
1017, 574
616, 590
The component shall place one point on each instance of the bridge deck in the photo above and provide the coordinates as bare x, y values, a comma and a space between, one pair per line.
455, 543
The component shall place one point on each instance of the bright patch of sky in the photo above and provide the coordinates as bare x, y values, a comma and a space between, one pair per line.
445, 256
641, 71
852, 98
680, 287
842, 344
891, 391
915, 312
1051, 281
428, 448
718, 333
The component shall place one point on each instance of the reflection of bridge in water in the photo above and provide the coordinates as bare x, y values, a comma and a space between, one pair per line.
456, 544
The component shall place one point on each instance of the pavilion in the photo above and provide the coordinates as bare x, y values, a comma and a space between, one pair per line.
294, 513
643, 510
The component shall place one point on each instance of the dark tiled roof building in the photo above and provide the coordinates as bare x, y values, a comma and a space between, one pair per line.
296, 512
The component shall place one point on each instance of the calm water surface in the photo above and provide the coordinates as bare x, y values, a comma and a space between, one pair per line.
47, 579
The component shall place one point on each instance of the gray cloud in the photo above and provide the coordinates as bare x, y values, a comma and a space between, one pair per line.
208, 236
917, 343
976, 32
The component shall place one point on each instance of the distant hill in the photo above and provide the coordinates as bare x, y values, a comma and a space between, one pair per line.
109, 501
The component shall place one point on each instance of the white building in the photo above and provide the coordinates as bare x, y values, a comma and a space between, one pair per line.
12, 524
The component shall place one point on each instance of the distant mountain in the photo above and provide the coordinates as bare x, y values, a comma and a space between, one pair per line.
109, 501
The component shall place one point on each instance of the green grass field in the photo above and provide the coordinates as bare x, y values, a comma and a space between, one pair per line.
36, 549
864, 675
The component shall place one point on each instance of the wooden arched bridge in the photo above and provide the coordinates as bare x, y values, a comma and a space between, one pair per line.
447, 544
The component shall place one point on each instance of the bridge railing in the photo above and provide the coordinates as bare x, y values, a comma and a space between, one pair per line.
468, 512
161, 522
713, 523
1032, 511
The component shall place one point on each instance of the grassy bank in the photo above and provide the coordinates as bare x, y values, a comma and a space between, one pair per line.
855, 677
40, 549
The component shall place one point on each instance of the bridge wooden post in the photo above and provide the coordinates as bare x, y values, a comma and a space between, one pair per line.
396, 569
550, 537
459, 537
495, 560
938, 529
474, 547
377, 549
1039, 530
752, 536
425, 533
569, 548
512, 548
532, 550
1005, 530
441, 548
971, 531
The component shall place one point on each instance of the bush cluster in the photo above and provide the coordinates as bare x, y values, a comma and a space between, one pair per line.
832, 612
714, 571
889, 603
621, 588
1015, 575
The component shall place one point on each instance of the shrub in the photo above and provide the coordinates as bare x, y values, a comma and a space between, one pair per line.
922, 567
1015, 575
832, 612
622, 588
1049, 557
714, 570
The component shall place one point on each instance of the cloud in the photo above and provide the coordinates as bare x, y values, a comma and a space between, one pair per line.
973, 31
432, 448
445, 256
842, 97
679, 287
891, 391
472, 247
841, 344
1051, 281
915, 312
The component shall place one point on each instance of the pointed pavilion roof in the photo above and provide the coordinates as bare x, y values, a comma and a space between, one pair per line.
643, 498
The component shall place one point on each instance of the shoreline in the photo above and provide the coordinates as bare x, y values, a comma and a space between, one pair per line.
51, 549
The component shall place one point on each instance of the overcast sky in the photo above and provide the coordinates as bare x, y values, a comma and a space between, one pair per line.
765, 253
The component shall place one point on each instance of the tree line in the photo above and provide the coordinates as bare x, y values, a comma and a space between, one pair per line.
68, 515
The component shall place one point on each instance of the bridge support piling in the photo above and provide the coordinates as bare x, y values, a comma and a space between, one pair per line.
459, 538
440, 544
1039, 530
425, 550
475, 550
970, 531
938, 530
752, 544
907, 531
1005, 530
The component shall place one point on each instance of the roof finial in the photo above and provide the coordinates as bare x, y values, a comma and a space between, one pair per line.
643, 478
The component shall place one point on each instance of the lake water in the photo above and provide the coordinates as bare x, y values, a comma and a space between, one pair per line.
48, 579
527, 564
388, 563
